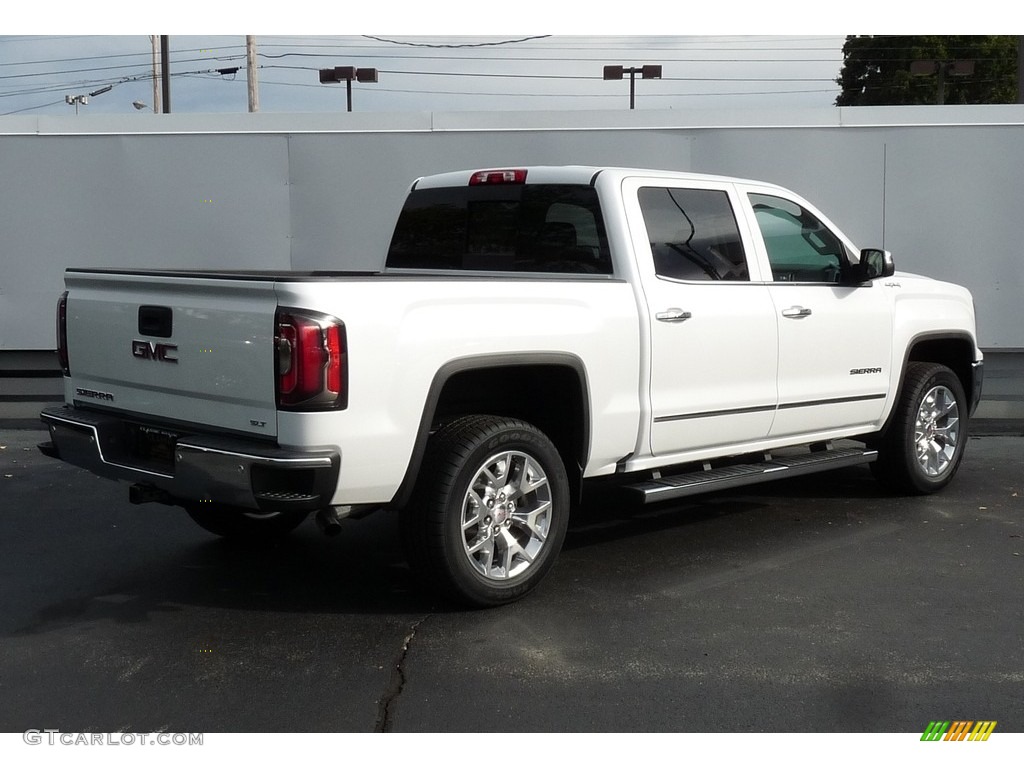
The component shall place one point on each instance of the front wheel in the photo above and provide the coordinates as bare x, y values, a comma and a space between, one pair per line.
924, 444
490, 510
240, 523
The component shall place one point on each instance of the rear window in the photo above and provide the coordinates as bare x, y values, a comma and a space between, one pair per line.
502, 228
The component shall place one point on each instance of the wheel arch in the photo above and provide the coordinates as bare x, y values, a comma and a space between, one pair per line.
955, 350
548, 390
922, 448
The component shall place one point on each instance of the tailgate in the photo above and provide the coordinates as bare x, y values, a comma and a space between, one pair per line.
191, 349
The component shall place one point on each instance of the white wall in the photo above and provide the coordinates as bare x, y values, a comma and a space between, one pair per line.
938, 186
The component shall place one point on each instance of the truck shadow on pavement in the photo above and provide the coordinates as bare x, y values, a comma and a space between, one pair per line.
363, 570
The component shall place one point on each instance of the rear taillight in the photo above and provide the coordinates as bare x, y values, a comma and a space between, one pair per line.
62, 333
311, 361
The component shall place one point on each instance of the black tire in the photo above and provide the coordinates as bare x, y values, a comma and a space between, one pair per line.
923, 445
490, 510
245, 524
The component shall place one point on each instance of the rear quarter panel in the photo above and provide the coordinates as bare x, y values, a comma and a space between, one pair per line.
401, 332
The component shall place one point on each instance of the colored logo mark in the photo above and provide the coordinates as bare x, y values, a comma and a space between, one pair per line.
958, 730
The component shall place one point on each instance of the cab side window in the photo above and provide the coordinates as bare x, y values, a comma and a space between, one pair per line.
800, 248
693, 234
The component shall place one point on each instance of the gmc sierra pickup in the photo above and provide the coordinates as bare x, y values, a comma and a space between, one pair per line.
532, 330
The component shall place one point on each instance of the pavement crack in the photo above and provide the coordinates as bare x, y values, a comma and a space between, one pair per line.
396, 683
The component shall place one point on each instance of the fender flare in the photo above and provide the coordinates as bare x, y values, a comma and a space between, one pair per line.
482, 362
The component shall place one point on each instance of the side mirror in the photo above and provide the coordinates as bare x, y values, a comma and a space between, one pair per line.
876, 263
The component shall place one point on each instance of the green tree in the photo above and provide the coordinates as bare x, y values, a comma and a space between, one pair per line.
876, 69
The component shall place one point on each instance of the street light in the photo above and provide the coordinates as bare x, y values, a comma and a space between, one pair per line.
646, 72
347, 75
954, 68
83, 98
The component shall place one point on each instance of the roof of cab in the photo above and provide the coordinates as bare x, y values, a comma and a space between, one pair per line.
569, 174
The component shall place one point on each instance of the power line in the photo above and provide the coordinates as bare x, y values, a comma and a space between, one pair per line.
558, 57
603, 43
455, 45
29, 109
562, 95
144, 55
148, 76
521, 76
85, 69
542, 59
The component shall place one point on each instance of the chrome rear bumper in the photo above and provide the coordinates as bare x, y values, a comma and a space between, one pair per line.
192, 467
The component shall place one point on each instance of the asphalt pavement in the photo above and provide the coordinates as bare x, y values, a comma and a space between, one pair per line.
816, 604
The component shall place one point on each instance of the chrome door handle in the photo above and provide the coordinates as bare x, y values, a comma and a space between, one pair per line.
673, 315
796, 312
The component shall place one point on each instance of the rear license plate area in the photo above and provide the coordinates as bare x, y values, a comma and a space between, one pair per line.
150, 446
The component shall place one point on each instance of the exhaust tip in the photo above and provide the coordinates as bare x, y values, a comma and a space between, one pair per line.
328, 520
148, 494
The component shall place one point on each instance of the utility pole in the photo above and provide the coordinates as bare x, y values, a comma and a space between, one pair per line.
156, 74
165, 71
250, 71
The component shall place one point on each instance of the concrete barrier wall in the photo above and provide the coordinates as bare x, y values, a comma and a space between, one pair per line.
936, 185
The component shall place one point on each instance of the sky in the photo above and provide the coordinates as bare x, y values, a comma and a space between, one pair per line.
420, 73
445, 55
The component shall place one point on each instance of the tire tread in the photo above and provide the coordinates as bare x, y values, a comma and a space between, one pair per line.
895, 467
425, 518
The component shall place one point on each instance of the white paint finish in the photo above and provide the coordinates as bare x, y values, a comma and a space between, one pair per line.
849, 329
826, 333
712, 379
659, 393
401, 332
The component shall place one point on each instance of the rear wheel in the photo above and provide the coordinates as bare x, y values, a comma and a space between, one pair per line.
490, 510
241, 523
924, 444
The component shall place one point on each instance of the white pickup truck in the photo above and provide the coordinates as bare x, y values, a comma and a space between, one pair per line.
533, 330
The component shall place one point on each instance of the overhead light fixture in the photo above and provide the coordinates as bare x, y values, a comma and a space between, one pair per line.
347, 75
646, 72
951, 68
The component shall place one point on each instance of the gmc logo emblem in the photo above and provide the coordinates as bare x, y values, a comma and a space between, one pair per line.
149, 350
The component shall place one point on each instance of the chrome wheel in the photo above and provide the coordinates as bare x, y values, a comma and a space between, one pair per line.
923, 444
506, 515
489, 512
937, 430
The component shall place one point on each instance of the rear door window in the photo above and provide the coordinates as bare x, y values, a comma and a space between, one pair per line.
693, 234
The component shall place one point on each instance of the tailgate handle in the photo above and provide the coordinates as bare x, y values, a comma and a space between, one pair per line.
155, 321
